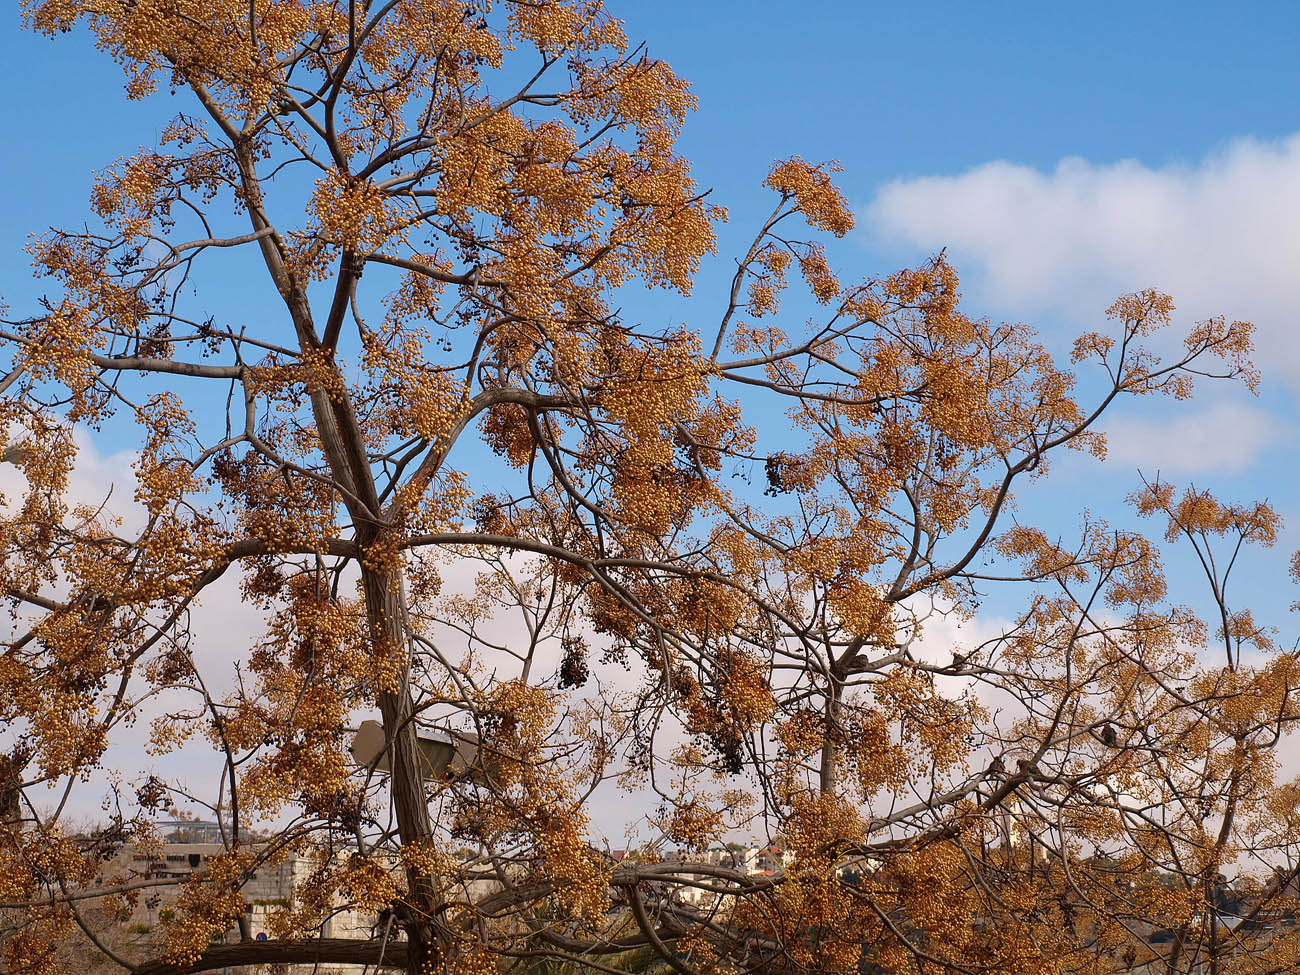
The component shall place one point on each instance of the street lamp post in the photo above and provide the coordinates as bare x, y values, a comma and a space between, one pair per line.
446, 754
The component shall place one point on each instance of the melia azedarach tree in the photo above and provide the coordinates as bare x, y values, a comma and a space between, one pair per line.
381, 239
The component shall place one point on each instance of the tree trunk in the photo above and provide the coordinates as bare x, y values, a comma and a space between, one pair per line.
387, 614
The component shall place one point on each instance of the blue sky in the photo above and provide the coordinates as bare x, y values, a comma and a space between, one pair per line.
892, 90
917, 101
897, 90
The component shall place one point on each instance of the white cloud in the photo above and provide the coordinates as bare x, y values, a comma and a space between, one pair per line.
944, 634
224, 626
1220, 236
96, 479
1225, 437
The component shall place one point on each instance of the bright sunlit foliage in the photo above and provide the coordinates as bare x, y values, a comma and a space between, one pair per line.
469, 489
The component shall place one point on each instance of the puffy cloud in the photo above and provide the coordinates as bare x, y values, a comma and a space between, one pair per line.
1216, 235
945, 634
97, 479
1225, 437
224, 628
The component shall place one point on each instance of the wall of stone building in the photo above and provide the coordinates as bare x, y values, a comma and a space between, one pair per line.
177, 861
345, 924
270, 888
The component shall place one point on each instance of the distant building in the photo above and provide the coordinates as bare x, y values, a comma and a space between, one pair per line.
193, 831
187, 848
765, 861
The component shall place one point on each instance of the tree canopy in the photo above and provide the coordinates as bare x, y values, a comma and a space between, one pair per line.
369, 312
